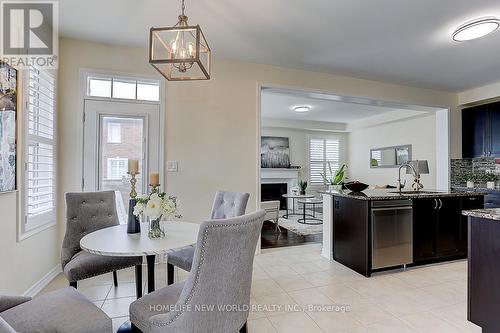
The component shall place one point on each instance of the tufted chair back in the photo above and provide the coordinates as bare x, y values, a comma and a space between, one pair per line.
229, 204
86, 212
221, 277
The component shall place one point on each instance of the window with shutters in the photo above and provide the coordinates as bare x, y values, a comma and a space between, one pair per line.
321, 152
39, 181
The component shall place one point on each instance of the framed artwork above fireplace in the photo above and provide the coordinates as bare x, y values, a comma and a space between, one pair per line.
275, 152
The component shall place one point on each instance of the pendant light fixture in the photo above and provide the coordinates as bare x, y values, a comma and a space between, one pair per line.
181, 52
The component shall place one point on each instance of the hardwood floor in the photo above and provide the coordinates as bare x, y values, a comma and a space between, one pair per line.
271, 238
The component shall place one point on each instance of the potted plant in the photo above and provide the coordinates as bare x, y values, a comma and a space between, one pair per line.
303, 187
470, 178
335, 183
491, 179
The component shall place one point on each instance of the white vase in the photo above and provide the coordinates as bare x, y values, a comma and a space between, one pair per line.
470, 184
490, 185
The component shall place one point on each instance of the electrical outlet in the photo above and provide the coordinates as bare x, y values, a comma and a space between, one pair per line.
172, 166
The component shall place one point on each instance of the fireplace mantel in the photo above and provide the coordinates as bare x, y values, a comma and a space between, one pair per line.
279, 175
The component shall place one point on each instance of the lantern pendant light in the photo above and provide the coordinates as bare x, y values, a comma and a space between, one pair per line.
181, 52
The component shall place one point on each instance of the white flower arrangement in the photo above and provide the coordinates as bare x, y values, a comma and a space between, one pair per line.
156, 206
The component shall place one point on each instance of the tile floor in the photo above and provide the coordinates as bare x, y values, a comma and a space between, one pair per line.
296, 290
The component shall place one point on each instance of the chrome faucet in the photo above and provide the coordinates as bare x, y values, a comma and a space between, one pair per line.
407, 165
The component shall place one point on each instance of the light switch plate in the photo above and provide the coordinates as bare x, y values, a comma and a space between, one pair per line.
172, 166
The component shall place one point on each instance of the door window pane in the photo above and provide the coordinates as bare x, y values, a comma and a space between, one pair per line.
99, 87
124, 89
148, 91
114, 154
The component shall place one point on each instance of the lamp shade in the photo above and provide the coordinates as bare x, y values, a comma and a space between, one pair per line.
421, 167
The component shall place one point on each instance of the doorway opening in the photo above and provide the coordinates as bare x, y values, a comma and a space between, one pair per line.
306, 136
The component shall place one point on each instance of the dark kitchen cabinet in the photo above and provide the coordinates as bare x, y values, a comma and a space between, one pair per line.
481, 131
350, 234
474, 131
437, 231
494, 122
468, 203
424, 230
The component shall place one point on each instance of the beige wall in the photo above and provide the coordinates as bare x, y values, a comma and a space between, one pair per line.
419, 132
211, 129
26, 262
484, 93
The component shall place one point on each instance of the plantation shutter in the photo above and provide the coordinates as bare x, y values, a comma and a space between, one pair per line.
322, 151
40, 163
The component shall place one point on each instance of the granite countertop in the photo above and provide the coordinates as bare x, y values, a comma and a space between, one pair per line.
391, 194
488, 213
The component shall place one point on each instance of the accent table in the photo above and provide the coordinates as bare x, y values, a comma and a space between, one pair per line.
294, 197
305, 203
114, 241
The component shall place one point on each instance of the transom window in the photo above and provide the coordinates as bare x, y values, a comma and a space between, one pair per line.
120, 88
321, 153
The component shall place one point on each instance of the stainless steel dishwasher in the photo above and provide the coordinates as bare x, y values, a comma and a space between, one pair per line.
392, 233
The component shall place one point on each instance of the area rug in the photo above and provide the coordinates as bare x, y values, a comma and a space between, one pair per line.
299, 228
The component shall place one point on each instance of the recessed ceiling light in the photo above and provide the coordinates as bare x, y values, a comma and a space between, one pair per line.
302, 108
476, 29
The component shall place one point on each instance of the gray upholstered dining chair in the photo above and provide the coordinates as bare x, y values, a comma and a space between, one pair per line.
63, 310
225, 205
87, 212
221, 278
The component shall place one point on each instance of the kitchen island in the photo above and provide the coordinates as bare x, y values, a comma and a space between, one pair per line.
483, 297
383, 229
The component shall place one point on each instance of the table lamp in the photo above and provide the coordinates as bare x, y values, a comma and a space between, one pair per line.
421, 168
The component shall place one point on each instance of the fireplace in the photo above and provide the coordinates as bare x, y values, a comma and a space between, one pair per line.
274, 191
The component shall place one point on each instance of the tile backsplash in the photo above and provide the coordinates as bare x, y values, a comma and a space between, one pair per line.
461, 165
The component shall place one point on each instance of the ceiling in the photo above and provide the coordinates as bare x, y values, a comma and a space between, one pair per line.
405, 42
279, 104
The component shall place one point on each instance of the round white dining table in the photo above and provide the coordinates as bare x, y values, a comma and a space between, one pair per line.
115, 241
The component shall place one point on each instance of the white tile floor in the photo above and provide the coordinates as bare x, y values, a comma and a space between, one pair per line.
288, 282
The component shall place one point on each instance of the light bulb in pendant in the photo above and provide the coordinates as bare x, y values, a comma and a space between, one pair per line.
173, 45
190, 47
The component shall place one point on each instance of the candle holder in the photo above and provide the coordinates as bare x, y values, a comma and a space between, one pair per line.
133, 182
154, 188
133, 222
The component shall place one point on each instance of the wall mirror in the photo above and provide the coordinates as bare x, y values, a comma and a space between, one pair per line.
390, 157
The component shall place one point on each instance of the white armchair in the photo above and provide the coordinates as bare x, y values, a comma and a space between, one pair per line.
272, 209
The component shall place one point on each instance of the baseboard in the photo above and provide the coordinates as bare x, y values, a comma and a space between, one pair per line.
43, 282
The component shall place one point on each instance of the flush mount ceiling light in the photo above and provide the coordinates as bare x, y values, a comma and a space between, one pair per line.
181, 52
302, 108
476, 29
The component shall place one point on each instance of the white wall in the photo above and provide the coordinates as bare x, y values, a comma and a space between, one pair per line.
299, 139
419, 132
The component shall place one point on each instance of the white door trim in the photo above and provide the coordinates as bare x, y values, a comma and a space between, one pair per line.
86, 72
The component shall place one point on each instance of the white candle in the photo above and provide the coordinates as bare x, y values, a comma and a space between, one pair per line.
154, 178
133, 166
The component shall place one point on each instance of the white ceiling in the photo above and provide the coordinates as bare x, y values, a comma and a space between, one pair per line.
406, 42
279, 104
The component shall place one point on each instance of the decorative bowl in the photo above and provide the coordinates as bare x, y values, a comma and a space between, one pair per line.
356, 186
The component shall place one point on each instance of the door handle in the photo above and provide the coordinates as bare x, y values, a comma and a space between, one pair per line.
435, 204
440, 204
